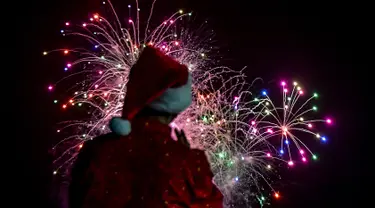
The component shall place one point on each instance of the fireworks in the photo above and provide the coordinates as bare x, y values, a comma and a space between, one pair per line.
265, 135
102, 70
244, 136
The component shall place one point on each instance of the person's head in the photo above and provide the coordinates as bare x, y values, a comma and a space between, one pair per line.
158, 86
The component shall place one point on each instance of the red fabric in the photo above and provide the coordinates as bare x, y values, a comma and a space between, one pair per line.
145, 169
153, 73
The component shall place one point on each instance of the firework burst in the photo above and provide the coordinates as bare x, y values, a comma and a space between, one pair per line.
265, 135
103, 69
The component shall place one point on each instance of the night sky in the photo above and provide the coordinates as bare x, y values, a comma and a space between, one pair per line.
325, 45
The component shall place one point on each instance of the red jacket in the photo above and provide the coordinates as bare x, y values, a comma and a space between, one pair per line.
146, 169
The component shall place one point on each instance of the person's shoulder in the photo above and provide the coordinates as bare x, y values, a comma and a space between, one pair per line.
197, 154
102, 139
94, 145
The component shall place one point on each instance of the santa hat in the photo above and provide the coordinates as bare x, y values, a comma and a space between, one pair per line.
156, 81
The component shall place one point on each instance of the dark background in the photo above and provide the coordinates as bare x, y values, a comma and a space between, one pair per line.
325, 44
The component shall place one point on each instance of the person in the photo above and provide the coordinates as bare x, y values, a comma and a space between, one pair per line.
138, 164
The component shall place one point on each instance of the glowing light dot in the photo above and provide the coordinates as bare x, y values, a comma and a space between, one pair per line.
180, 11
171, 21
50, 88
91, 19
176, 43
264, 92
45, 53
203, 55
242, 158
301, 119
298, 88
118, 65
267, 103
129, 6
66, 51
277, 195
324, 139
304, 159
69, 65
190, 14
301, 152
262, 198
290, 163
285, 129
285, 90
301, 92
269, 131
286, 142
314, 157
236, 179
67, 23
64, 106
100, 72
58, 130
253, 123
317, 135
316, 95
281, 151
283, 83
165, 22
130, 21
286, 106
309, 125
96, 16
289, 98
268, 154
295, 83
315, 108
329, 121
96, 86
138, 9
80, 146
62, 31
54, 172
55, 101
268, 166
84, 25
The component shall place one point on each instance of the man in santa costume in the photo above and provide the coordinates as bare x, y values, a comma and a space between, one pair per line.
139, 165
